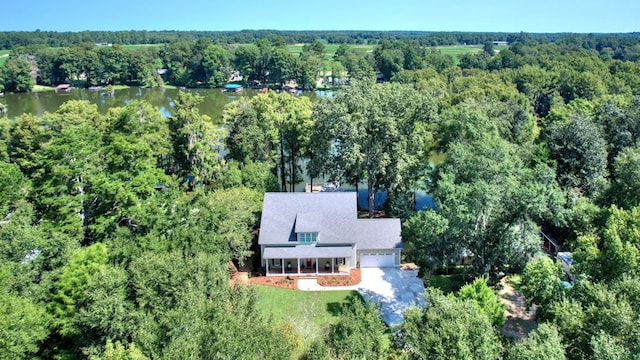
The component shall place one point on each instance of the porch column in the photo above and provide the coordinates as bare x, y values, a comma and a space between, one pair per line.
317, 266
332, 260
282, 265
267, 266
298, 266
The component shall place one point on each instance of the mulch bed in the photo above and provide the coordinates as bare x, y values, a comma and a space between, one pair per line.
353, 278
285, 282
291, 282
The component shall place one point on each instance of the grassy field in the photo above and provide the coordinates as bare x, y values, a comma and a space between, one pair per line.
40, 88
455, 51
329, 49
311, 309
138, 46
4, 55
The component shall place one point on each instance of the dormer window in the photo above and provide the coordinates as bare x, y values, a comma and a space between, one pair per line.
307, 237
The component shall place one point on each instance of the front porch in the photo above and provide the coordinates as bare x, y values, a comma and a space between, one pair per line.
307, 266
308, 260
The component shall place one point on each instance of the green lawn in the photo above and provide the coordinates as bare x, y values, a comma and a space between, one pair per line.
329, 49
455, 51
4, 55
39, 88
315, 308
447, 283
138, 46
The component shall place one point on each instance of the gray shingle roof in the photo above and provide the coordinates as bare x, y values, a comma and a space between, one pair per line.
334, 214
308, 222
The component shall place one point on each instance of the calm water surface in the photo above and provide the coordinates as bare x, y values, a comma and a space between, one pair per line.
38, 103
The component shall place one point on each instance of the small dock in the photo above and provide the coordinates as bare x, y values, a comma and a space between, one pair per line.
63, 88
316, 188
233, 88
319, 187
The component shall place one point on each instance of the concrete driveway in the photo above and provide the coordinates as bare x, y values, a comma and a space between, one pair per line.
394, 289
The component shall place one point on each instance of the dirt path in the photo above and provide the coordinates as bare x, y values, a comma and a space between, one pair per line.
518, 321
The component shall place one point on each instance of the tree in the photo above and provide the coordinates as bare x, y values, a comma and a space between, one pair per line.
216, 64
488, 48
380, 133
596, 318
219, 222
621, 127
357, 66
615, 250
490, 214
246, 61
70, 295
542, 285
579, 151
141, 68
190, 311
607, 347
176, 57
14, 186
448, 329
282, 66
488, 302
426, 240
108, 312
136, 144
195, 139
70, 161
117, 351
542, 343
308, 68
315, 49
23, 325
16, 76
626, 185
359, 332
270, 128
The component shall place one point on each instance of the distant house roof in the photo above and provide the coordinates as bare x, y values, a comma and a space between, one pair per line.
333, 215
63, 86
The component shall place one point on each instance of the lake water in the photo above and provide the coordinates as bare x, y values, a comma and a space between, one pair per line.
38, 103
214, 101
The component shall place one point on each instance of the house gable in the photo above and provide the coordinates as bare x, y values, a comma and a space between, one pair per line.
332, 216
303, 228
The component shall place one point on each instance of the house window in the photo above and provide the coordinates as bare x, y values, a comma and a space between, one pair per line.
307, 238
340, 261
275, 262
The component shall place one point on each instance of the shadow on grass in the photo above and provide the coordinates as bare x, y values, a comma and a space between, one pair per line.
339, 308
447, 283
335, 308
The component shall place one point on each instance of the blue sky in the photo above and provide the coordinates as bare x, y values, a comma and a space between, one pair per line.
460, 15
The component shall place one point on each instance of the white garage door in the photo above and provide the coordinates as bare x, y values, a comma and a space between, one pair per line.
376, 260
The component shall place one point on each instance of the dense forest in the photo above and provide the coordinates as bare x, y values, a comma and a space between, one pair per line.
118, 230
264, 58
11, 39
